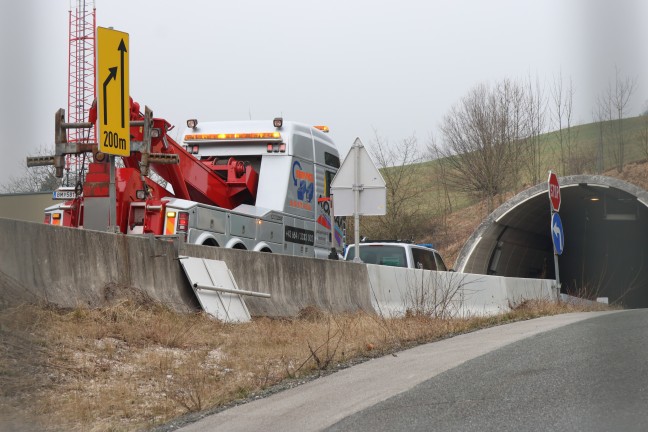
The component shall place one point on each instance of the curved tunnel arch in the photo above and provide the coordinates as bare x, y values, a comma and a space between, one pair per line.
606, 239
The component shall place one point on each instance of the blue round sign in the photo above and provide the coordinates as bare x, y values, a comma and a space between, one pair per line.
557, 234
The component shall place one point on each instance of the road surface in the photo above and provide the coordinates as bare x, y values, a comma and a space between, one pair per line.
583, 371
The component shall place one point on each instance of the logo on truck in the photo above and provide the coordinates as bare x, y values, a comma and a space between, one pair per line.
305, 183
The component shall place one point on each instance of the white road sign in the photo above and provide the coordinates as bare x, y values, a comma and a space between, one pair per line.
359, 173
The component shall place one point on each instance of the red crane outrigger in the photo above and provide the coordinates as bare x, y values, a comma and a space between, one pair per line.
225, 184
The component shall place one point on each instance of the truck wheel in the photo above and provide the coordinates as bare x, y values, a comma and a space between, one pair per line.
210, 242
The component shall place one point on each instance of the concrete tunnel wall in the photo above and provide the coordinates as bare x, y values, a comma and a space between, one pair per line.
605, 221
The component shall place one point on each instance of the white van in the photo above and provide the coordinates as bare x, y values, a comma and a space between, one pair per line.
398, 254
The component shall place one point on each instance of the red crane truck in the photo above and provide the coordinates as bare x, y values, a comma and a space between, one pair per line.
253, 185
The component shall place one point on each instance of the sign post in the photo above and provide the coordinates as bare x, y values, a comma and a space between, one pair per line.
113, 104
557, 232
358, 189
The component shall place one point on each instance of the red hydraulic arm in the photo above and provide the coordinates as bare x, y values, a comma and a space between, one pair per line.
225, 186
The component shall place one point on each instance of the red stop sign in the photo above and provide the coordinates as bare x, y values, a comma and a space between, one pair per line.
554, 191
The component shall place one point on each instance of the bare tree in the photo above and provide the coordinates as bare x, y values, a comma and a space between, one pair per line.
611, 108
602, 115
36, 179
623, 89
482, 138
536, 108
440, 179
563, 117
400, 166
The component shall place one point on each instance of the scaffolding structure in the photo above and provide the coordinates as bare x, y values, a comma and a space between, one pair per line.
81, 83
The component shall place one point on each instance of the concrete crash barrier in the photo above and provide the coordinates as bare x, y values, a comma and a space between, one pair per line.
70, 267
396, 291
293, 282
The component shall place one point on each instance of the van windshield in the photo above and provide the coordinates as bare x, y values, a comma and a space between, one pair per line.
380, 254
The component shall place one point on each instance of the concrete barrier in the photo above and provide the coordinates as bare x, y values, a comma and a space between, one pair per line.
70, 267
394, 291
293, 282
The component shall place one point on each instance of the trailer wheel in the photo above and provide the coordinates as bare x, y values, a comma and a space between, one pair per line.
211, 242
265, 249
240, 246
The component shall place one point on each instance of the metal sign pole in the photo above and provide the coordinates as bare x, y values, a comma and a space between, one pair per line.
333, 255
553, 187
356, 204
557, 276
112, 201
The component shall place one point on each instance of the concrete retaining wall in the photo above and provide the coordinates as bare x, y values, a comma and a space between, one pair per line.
71, 267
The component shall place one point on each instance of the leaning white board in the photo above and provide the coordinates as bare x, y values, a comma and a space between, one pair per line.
224, 306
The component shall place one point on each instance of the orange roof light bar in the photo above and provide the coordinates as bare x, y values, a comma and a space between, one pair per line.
233, 136
324, 129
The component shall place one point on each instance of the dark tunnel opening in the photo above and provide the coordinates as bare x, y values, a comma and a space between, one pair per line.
605, 222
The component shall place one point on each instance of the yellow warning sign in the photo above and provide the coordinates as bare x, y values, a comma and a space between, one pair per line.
113, 106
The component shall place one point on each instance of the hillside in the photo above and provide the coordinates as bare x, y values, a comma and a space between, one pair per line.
452, 217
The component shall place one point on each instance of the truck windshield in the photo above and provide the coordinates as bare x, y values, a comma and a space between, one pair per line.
380, 254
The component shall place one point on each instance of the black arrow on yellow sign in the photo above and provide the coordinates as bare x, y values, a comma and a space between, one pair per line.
122, 51
111, 76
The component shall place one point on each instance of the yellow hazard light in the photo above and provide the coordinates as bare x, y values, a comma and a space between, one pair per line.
233, 136
56, 219
324, 129
169, 227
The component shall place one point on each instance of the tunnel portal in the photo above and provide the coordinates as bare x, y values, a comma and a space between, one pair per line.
605, 222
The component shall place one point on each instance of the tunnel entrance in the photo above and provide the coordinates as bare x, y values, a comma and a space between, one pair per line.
606, 239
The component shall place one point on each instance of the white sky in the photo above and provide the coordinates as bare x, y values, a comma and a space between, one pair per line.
355, 65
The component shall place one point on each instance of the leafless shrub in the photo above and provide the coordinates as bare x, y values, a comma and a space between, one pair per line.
401, 167
434, 294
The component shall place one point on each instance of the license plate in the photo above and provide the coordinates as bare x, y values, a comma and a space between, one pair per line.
65, 194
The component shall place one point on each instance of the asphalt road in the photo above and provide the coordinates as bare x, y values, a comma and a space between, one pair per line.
588, 376
583, 371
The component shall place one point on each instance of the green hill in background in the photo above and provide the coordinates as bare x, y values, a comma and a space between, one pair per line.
446, 217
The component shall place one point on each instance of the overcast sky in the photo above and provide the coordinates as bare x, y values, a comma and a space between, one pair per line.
395, 67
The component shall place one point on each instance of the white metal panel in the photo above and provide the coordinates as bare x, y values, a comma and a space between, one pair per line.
368, 176
211, 273
373, 202
358, 172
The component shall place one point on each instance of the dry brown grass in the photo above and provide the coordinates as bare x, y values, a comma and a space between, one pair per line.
132, 366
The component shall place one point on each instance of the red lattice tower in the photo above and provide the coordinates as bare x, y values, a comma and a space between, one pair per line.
81, 81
